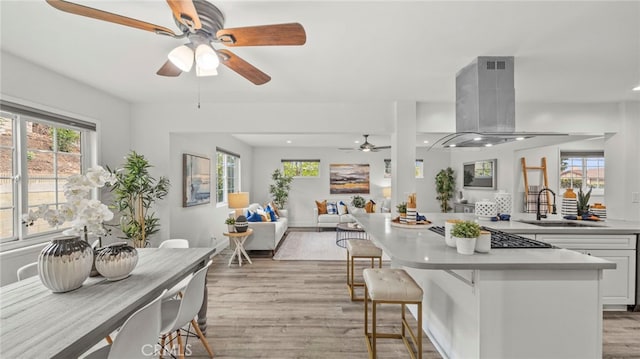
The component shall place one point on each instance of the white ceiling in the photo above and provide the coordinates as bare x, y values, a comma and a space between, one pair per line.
356, 51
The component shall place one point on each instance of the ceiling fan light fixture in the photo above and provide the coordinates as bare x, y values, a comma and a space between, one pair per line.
206, 57
182, 57
200, 72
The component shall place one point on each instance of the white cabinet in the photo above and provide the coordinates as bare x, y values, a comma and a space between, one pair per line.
618, 285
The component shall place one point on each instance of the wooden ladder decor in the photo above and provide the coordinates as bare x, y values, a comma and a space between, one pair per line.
545, 178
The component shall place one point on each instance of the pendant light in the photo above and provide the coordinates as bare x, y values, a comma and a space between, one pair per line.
182, 57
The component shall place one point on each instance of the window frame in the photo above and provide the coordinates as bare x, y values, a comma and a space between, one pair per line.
283, 161
419, 167
236, 181
584, 156
21, 115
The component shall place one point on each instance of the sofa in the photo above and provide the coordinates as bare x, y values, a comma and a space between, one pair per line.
266, 235
332, 220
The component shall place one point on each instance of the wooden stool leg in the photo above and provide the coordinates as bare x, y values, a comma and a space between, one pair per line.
403, 319
180, 346
374, 307
420, 330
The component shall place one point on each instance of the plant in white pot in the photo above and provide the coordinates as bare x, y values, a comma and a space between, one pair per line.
230, 222
358, 202
465, 234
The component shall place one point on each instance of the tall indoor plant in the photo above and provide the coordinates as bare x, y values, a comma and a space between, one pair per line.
445, 188
279, 190
135, 191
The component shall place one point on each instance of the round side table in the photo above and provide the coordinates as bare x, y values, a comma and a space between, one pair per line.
344, 231
238, 239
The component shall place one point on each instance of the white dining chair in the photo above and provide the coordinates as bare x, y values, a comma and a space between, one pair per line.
178, 313
138, 336
27, 271
178, 288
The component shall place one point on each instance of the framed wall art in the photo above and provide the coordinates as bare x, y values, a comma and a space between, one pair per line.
196, 180
349, 178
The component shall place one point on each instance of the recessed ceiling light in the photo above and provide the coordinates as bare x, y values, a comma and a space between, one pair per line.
637, 88
288, 141
452, 145
356, 141
477, 138
519, 138
488, 145
425, 141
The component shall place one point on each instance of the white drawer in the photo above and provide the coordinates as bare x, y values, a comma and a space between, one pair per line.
572, 241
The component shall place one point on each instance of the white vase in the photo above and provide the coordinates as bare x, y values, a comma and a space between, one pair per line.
65, 263
486, 209
483, 243
503, 202
465, 245
448, 225
231, 228
116, 261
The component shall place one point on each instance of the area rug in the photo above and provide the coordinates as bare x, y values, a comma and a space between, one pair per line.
311, 246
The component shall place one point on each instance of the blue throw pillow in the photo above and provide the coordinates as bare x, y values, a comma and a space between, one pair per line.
332, 208
272, 214
254, 217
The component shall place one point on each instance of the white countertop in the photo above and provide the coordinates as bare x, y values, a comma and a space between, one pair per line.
424, 249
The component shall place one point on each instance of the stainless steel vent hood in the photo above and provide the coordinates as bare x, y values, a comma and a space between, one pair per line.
485, 104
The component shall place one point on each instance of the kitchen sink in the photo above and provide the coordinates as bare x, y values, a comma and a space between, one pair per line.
561, 224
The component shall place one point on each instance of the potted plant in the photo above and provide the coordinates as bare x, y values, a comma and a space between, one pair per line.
445, 188
135, 191
402, 210
358, 202
230, 222
583, 202
465, 233
279, 190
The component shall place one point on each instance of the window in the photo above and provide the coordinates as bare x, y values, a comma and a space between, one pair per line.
228, 174
39, 151
301, 168
419, 168
582, 170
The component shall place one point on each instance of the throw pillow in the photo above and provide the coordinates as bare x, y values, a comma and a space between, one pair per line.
332, 208
342, 208
370, 207
272, 214
265, 217
275, 208
254, 217
322, 207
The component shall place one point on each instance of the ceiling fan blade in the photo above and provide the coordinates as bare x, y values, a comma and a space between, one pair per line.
243, 68
169, 69
265, 35
82, 10
185, 12
382, 147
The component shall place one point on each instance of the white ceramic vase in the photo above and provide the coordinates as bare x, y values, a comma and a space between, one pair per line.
486, 209
65, 263
448, 225
116, 261
465, 245
503, 202
483, 243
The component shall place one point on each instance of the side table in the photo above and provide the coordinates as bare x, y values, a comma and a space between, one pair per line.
345, 231
239, 238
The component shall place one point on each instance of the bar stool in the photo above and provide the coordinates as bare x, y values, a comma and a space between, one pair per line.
391, 286
360, 248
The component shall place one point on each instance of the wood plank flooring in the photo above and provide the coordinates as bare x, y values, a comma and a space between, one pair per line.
301, 309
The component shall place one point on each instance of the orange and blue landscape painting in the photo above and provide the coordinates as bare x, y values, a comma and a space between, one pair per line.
349, 178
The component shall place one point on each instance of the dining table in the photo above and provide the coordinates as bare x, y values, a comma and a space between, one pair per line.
37, 323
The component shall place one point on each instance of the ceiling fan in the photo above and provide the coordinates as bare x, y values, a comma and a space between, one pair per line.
202, 24
366, 146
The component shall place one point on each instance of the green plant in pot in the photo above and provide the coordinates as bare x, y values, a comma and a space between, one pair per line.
445, 188
466, 234
230, 222
135, 191
583, 202
280, 188
402, 210
358, 201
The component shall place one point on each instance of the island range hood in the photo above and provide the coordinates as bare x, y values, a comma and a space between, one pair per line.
485, 104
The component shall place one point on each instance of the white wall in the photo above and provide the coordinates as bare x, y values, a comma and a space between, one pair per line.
200, 223
28, 84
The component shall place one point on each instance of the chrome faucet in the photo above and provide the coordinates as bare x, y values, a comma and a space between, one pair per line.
538, 215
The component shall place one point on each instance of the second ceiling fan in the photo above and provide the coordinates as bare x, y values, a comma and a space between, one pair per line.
366, 146
202, 24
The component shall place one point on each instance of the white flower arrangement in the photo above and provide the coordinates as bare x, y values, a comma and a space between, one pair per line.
86, 215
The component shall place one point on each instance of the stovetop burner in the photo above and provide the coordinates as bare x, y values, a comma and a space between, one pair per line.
500, 239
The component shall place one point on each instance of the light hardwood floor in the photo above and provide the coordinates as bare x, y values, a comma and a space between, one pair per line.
300, 309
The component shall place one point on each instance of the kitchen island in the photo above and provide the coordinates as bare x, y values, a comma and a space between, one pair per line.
508, 303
